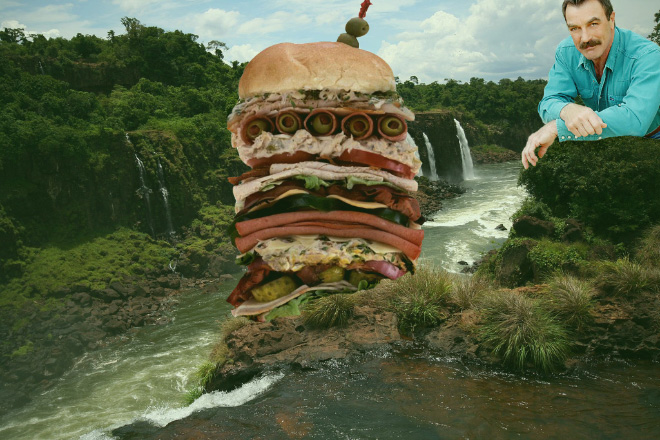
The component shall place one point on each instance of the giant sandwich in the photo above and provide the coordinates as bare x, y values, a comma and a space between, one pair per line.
328, 205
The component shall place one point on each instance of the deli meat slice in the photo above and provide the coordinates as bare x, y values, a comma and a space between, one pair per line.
340, 219
412, 250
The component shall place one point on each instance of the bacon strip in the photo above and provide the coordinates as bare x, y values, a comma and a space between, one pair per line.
331, 219
412, 250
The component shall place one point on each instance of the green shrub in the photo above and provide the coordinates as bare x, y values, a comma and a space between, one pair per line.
419, 300
533, 208
571, 298
466, 290
649, 249
523, 333
550, 256
329, 311
611, 185
624, 277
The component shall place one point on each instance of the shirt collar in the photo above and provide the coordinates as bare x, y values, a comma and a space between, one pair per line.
611, 57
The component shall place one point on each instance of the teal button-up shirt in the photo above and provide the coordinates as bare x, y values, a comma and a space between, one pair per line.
627, 98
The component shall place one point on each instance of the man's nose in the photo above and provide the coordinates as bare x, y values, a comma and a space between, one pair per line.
585, 35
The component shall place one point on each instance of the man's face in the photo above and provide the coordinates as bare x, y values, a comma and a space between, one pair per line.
590, 29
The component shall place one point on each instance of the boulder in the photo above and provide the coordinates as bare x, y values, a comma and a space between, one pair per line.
532, 227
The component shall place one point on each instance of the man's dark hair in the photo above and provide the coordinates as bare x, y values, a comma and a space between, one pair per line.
607, 5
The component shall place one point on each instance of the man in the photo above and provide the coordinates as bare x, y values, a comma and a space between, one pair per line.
616, 73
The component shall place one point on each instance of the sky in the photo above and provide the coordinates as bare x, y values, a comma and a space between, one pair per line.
433, 40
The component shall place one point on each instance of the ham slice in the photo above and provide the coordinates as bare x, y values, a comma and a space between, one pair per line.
333, 220
411, 250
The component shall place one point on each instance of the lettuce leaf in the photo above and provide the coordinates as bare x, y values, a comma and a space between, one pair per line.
312, 183
245, 259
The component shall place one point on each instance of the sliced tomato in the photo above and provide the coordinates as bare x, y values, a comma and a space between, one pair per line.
298, 156
377, 161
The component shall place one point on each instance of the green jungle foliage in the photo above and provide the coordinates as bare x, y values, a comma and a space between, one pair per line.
611, 185
74, 116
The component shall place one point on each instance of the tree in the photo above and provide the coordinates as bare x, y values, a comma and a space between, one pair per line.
217, 46
655, 35
9, 35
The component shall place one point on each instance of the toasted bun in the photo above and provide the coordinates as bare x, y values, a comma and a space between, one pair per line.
288, 67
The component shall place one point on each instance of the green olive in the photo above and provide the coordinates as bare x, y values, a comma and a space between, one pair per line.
358, 126
392, 126
322, 123
348, 39
288, 123
256, 127
357, 26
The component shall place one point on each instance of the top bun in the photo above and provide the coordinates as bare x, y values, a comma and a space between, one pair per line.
288, 67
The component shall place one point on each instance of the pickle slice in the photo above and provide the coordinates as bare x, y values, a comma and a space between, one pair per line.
332, 275
272, 290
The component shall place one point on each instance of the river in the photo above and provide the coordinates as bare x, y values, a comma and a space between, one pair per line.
143, 377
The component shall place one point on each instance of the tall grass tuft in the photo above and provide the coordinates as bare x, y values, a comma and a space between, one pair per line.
624, 278
419, 300
329, 311
203, 377
466, 291
522, 332
571, 298
649, 249
219, 355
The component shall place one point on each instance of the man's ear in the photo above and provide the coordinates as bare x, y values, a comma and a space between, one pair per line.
612, 17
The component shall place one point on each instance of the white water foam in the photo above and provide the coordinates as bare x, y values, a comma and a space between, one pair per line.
240, 396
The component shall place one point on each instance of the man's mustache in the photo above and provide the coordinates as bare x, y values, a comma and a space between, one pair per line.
590, 43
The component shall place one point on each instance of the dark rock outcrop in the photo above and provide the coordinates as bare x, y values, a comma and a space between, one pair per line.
440, 128
288, 342
532, 227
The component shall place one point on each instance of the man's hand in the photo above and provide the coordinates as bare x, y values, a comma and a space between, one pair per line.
542, 138
581, 120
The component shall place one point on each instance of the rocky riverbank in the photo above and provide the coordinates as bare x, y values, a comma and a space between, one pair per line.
431, 193
44, 338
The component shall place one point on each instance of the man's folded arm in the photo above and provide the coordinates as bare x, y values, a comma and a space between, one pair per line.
634, 115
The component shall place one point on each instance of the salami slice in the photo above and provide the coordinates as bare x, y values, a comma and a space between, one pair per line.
411, 250
334, 219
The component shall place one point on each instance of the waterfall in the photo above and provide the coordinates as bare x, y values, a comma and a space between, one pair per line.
144, 192
431, 155
166, 200
411, 141
468, 168
41, 68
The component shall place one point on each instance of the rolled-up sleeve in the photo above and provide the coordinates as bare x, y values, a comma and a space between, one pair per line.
559, 91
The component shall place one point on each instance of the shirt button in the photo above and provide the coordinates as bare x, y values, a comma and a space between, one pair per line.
600, 137
563, 137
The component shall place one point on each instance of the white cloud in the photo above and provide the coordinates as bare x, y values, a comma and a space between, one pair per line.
241, 53
497, 39
14, 24
276, 22
51, 14
133, 6
215, 23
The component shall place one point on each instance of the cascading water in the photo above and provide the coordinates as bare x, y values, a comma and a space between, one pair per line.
433, 175
166, 199
145, 192
411, 141
41, 68
468, 167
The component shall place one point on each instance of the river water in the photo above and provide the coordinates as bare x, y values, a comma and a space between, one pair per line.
143, 377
